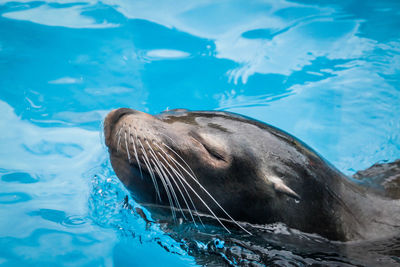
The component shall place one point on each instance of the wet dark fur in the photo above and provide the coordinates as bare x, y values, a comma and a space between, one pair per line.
256, 172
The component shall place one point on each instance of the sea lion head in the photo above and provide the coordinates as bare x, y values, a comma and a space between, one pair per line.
233, 167
211, 162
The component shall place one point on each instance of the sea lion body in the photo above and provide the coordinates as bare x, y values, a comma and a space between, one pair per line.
237, 168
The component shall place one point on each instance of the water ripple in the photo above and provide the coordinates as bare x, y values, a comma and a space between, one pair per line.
60, 217
20, 177
13, 198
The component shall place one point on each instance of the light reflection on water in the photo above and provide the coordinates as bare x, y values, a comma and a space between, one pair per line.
326, 73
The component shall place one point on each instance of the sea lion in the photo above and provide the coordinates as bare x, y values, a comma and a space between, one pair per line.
236, 168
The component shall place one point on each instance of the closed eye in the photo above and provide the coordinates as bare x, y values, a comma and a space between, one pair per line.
210, 149
213, 152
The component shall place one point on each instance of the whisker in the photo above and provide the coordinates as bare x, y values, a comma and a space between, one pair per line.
118, 132
136, 156
184, 161
166, 178
204, 203
182, 180
119, 139
127, 150
205, 190
136, 139
181, 177
183, 196
187, 165
183, 186
175, 170
166, 190
152, 177
181, 193
148, 165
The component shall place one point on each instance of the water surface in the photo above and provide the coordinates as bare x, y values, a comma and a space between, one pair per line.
327, 72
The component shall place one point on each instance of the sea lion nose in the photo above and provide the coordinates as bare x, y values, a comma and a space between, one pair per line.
112, 118
116, 114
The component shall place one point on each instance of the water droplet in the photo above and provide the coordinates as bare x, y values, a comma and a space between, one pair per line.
219, 243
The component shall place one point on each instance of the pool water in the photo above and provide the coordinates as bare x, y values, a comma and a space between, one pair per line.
327, 72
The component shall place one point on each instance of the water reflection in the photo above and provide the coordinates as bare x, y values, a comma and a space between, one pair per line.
58, 15
290, 36
45, 246
46, 178
160, 54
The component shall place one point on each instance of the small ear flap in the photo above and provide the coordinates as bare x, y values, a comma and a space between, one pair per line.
281, 187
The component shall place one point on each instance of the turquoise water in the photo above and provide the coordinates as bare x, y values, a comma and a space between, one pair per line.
327, 72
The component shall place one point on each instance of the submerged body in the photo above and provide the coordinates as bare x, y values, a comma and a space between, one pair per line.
236, 168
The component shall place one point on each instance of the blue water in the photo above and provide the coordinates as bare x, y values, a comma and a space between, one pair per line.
327, 72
